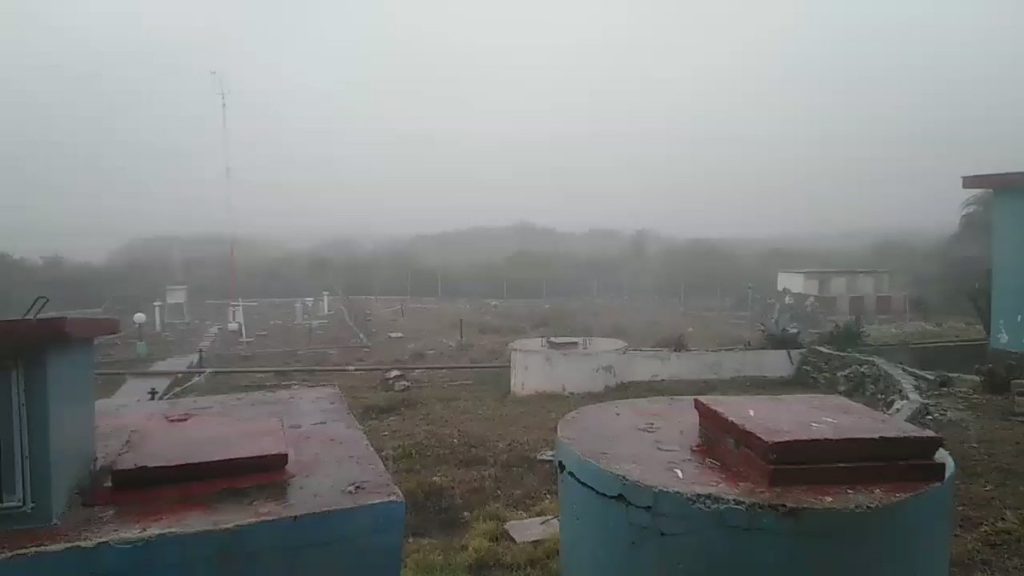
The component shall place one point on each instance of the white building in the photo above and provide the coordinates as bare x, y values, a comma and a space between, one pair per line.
845, 292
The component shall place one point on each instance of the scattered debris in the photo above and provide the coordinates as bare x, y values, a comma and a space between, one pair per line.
354, 487
533, 529
546, 455
401, 386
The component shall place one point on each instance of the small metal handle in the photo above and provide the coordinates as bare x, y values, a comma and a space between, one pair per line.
45, 300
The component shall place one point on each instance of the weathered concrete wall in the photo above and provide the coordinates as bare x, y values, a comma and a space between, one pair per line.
365, 540
648, 365
544, 370
956, 357
870, 380
537, 371
1007, 271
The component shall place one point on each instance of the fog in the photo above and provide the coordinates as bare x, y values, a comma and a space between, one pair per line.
391, 117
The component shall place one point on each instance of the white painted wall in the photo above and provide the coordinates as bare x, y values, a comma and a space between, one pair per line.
794, 281
543, 370
865, 284
651, 365
536, 371
881, 283
836, 285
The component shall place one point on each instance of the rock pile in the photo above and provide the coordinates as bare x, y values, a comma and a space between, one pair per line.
856, 377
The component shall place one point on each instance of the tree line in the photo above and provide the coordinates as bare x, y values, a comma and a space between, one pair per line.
521, 261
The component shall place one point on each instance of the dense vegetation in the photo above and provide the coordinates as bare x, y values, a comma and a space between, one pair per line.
524, 260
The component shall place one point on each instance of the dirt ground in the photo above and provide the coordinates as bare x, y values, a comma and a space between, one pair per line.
430, 330
987, 444
463, 451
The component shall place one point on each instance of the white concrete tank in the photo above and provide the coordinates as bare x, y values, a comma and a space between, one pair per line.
564, 365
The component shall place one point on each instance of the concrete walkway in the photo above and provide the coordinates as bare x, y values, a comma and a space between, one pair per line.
348, 320
138, 387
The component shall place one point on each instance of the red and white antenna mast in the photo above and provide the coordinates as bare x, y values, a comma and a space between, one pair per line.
229, 204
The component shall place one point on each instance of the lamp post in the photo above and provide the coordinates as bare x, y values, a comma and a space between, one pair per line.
139, 319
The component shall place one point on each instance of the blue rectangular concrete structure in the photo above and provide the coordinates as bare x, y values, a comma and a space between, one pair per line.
53, 357
332, 510
1007, 261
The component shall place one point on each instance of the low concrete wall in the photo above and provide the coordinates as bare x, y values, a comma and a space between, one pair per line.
648, 365
956, 357
536, 369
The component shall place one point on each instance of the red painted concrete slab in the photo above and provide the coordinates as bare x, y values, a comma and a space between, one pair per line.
23, 333
813, 429
746, 464
187, 447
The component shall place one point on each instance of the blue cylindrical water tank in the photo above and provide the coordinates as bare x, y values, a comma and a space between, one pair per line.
636, 499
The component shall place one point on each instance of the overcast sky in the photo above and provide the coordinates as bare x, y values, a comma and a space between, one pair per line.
709, 118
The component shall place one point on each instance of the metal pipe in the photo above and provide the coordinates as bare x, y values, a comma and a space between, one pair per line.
267, 369
307, 349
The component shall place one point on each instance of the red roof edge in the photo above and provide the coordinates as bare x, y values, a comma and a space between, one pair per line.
23, 333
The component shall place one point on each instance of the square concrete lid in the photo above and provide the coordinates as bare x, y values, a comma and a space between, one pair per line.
189, 447
21, 333
813, 429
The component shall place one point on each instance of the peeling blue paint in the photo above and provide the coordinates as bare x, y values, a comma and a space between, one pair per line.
1007, 270
611, 525
363, 540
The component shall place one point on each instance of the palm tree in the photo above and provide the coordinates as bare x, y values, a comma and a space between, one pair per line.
976, 220
970, 254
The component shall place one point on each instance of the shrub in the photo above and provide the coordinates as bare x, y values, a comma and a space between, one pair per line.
845, 336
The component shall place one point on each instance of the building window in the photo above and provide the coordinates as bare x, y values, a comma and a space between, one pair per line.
14, 485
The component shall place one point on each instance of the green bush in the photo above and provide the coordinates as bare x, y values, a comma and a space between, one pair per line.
845, 336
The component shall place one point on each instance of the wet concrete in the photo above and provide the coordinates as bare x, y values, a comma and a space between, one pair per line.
137, 388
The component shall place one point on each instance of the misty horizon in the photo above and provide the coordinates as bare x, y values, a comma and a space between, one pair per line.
384, 242
390, 119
